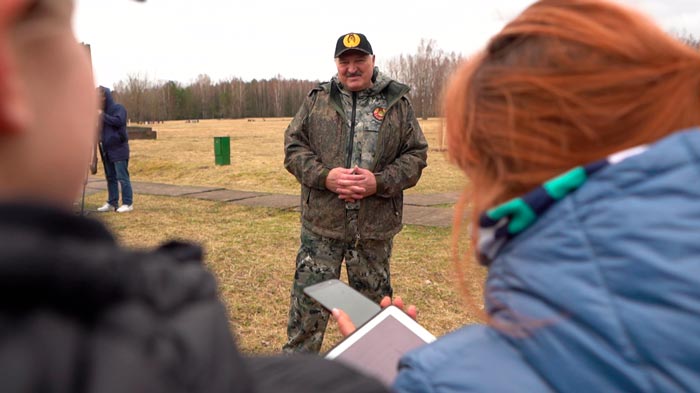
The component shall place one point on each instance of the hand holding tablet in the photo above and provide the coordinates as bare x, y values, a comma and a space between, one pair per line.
376, 346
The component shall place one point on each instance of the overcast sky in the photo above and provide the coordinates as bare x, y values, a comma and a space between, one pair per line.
180, 39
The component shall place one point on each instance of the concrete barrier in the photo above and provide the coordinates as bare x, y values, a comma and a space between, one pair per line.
136, 132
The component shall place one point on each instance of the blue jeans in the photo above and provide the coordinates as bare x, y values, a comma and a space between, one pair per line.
118, 172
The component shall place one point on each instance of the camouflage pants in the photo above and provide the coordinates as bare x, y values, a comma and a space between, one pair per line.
319, 259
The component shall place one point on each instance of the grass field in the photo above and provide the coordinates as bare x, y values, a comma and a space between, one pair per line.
251, 250
184, 154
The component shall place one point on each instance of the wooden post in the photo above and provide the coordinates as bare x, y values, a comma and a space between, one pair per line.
441, 135
93, 159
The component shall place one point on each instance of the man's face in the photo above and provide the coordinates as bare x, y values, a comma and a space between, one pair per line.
355, 70
53, 76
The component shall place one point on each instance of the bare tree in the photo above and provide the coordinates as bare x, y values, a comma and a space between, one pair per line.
426, 72
689, 39
132, 94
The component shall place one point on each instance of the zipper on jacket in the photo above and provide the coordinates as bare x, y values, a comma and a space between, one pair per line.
351, 139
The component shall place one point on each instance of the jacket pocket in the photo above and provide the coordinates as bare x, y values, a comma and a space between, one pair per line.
398, 209
323, 210
112, 139
381, 217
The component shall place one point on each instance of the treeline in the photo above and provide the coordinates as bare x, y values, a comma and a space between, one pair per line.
149, 100
426, 72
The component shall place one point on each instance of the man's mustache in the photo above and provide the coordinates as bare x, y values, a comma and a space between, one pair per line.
351, 74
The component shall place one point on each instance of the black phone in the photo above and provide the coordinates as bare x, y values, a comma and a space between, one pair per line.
337, 294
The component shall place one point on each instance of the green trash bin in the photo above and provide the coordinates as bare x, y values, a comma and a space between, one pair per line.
222, 150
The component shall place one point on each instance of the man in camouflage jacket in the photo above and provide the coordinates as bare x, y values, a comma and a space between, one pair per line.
354, 145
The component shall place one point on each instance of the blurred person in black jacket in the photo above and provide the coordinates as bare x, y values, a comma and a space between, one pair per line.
79, 313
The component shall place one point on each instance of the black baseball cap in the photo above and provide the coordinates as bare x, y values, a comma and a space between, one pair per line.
352, 41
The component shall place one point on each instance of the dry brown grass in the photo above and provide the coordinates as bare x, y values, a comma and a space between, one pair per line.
184, 154
252, 250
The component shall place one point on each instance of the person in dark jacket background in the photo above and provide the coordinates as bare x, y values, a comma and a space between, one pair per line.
78, 312
114, 145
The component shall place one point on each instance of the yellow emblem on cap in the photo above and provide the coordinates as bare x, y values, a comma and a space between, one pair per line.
351, 40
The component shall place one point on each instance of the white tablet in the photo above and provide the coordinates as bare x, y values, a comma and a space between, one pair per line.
376, 347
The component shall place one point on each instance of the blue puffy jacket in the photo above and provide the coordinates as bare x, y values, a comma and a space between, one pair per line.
605, 287
115, 141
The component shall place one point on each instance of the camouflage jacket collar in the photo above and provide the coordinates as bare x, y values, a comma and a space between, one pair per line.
382, 84
379, 83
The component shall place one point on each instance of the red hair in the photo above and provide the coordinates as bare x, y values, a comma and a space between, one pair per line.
563, 84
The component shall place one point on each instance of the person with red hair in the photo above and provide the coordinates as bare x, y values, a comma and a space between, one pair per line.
578, 129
